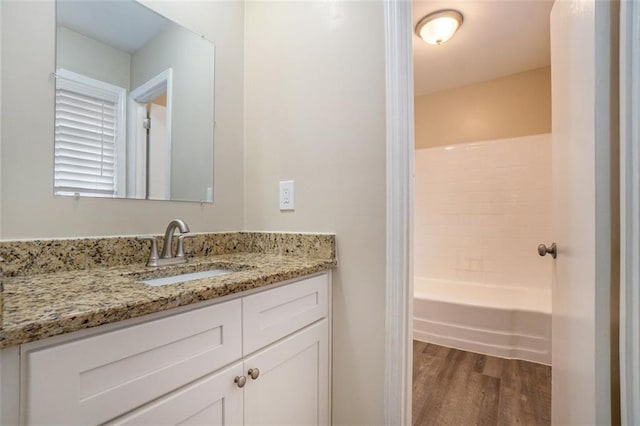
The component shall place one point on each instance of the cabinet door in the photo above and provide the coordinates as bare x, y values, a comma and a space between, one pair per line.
213, 400
293, 385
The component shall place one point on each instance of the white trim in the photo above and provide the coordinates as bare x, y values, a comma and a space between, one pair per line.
135, 174
90, 85
630, 213
154, 87
133, 190
400, 153
147, 91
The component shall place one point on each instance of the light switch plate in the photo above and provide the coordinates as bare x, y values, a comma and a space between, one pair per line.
286, 195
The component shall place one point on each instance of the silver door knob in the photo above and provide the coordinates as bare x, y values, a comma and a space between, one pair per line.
552, 250
253, 373
240, 381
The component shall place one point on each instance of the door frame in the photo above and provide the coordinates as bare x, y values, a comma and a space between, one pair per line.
137, 175
399, 280
630, 213
399, 229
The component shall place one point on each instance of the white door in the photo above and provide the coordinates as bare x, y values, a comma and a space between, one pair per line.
630, 213
292, 382
581, 352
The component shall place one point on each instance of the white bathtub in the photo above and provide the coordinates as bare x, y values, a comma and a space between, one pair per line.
509, 322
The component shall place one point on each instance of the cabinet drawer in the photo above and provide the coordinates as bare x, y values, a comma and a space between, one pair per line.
273, 314
213, 400
96, 379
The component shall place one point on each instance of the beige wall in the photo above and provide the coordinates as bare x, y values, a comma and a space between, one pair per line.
84, 55
29, 208
511, 106
315, 113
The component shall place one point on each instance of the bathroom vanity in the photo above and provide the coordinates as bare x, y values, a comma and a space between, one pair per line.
248, 347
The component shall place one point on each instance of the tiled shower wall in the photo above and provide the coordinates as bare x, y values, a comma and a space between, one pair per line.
481, 209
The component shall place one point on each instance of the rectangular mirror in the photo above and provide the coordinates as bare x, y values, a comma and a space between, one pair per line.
134, 104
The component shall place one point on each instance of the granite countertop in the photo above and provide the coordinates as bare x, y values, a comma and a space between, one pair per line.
37, 306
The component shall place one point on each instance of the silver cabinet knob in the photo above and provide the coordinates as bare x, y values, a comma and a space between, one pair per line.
240, 381
552, 250
254, 373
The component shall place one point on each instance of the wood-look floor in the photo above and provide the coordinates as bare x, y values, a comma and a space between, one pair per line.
453, 387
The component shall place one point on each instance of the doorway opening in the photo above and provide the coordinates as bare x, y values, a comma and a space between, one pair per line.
149, 148
482, 205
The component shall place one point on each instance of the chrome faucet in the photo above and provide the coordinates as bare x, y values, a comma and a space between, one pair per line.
167, 258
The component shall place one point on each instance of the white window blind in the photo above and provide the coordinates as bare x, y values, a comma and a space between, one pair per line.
88, 127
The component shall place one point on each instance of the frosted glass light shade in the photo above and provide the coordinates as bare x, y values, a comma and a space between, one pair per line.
438, 27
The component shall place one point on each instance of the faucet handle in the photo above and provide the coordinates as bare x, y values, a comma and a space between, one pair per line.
153, 256
180, 248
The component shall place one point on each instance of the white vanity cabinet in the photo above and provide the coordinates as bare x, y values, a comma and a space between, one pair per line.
258, 359
291, 387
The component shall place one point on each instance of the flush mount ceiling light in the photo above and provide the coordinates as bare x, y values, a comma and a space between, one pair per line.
438, 27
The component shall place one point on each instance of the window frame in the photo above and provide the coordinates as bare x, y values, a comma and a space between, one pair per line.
81, 84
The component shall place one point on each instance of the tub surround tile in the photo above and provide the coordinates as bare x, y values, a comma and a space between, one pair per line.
53, 287
481, 209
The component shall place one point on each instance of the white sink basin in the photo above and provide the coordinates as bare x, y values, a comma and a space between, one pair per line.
157, 282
